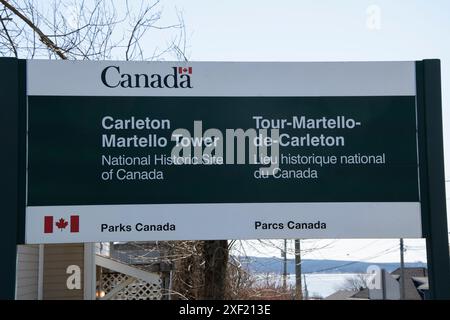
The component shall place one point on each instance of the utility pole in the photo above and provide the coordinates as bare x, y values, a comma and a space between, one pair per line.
402, 271
284, 255
298, 271
306, 288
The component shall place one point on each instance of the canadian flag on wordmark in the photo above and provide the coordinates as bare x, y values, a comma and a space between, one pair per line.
61, 224
182, 70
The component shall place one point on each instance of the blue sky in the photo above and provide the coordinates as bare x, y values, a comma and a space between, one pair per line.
324, 30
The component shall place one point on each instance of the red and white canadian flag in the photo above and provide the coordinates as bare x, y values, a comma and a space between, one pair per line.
61, 224
182, 70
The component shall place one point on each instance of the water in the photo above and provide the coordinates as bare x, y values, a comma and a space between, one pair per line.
318, 284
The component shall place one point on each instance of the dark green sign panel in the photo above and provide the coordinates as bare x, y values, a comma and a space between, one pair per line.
332, 149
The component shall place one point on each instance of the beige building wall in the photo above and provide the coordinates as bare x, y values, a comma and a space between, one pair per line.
57, 258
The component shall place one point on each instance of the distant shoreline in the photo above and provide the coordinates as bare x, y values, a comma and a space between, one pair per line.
261, 265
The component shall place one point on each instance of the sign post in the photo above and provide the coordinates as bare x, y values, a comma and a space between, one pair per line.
431, 158
9, 161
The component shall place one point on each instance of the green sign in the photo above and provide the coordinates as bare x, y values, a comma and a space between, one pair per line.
122, 151
118, 150
135, 151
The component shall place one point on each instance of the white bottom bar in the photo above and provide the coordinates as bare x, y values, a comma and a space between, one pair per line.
228, 221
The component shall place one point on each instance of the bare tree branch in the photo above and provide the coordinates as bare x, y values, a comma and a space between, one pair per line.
13, 46
45, 40
92, 30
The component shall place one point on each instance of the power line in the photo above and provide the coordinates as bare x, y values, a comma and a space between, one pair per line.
381, 253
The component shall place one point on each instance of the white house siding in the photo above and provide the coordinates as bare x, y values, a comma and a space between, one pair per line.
27, 272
